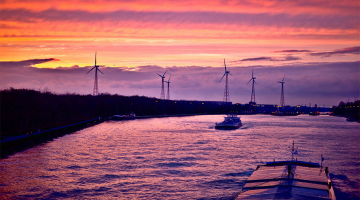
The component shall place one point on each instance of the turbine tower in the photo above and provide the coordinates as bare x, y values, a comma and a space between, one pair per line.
282, 101
162, 96
253, 87
168, 94
226, 91
96, 89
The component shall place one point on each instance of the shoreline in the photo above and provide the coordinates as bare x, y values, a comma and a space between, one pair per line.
14, 144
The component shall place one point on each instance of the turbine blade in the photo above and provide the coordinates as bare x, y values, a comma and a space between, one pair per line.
255, 81
95, 58
283, 78
224, 64
159, 74
252, 74
165, 72
222, 77
90, 70
249, 81
99, 70
169, 78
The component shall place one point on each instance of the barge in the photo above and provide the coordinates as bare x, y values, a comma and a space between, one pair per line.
289, 180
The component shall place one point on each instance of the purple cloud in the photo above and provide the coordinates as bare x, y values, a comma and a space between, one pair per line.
287, 58
257, 59
263, 19
26, 62
292, 51
349, 50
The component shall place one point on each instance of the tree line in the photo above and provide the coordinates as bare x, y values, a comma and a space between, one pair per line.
25, 111
349, 109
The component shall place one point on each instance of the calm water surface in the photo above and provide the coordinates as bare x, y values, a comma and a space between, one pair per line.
178, 158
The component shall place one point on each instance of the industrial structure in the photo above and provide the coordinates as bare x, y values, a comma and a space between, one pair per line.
168, 92
226, 91
282, 101
162, 95
96, 89
253, 88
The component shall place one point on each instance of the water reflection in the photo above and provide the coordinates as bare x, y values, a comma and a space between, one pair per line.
177, 158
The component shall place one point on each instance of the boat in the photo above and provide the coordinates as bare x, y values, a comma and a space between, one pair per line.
314, 113
289, 180
231, 121
124, 117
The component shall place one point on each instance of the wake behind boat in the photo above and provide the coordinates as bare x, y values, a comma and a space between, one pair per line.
231, 121
289, 180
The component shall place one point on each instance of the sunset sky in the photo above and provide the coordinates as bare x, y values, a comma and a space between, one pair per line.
313, 43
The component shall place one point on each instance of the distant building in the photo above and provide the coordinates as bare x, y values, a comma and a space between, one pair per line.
266, 108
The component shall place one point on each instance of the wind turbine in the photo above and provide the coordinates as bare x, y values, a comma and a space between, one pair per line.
253, 87
226, 92
162, 96
96, 89
168, 94
282, 101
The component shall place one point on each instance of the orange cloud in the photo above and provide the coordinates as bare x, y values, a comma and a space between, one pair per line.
231, 6
164, 32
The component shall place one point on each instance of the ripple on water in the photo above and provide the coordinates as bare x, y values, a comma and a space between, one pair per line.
76, 167
178, 158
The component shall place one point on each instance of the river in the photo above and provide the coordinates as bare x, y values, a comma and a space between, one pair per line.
179, 158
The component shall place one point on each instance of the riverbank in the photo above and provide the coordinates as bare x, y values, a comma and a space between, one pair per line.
121, 118
11, 145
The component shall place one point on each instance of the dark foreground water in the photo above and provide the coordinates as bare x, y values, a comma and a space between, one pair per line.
178, 158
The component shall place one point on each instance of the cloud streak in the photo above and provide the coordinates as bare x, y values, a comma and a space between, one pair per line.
349, 50
26, 63
292, 51
190, 17
263, 58
249, 6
